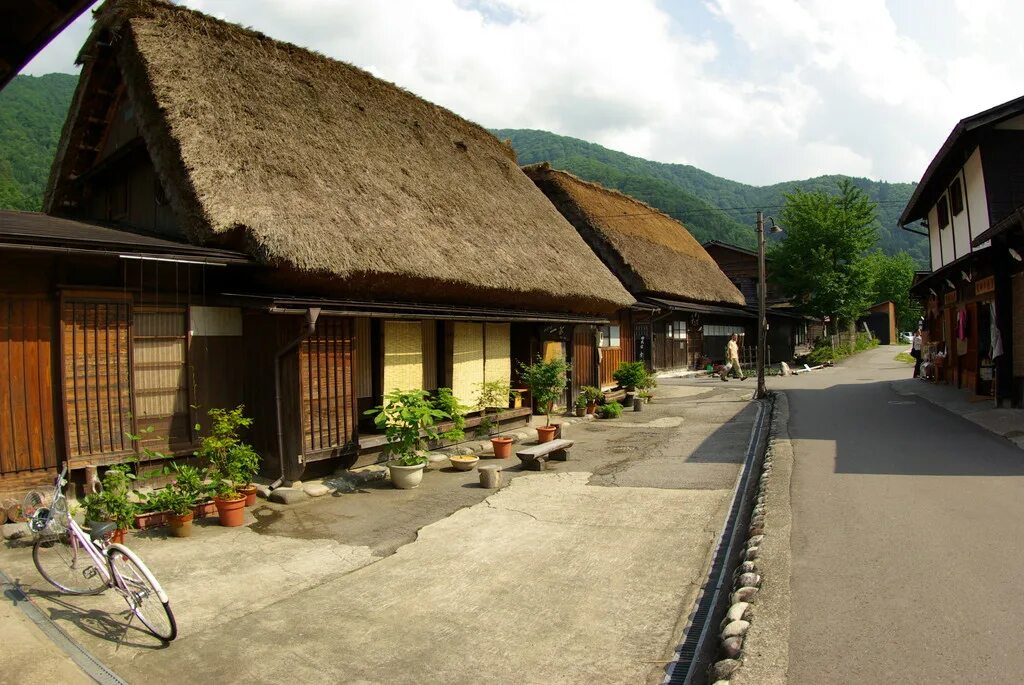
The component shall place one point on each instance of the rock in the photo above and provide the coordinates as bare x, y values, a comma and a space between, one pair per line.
744, 594
723, 669
752, 554
287, 495
735, 629
13, 531
490, 476
262, 491
755, 540
756, 529
316, 489
435, 458
732, 647
749, 579
746, 567
737, 611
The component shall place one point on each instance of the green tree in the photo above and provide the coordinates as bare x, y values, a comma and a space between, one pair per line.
893, 276
821, 261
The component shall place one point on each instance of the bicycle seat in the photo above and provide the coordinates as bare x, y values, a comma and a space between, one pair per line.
99, 531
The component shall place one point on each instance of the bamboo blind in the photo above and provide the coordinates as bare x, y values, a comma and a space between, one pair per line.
498, 352
97, 377
467, 361
161, 381
403, 356
430, 355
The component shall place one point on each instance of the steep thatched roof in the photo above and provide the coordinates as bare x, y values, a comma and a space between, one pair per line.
330, 170
651, 253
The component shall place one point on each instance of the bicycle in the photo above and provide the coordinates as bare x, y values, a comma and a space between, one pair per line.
77, 563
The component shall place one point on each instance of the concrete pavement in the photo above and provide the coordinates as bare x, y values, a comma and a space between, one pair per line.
904, 536
584, 574
27, 656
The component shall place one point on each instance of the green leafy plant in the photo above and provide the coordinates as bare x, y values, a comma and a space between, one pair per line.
592, 394
233, 463
546, 380
113, 502
581, 401
446, 402
630, 375
610, 410
491, 395
408, 419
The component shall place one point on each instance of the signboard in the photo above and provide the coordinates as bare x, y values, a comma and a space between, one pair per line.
950, 297
985, 285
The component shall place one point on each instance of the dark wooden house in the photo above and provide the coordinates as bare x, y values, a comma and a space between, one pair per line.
687, 307
387, 243
788, 332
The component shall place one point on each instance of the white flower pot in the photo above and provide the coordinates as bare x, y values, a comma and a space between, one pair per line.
406, 477
464, 462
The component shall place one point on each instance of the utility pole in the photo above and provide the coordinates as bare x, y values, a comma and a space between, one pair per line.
761, 324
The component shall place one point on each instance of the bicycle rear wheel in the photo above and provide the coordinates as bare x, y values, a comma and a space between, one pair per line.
142, 594
63, 562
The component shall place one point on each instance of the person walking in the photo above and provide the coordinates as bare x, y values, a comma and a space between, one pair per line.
915, 352
732, 359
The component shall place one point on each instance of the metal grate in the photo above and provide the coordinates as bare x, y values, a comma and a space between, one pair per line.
682, 670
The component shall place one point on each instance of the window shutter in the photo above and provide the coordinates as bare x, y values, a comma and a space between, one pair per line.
467, 361
403, 356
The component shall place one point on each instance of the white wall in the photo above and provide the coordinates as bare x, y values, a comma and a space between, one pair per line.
977, 201
954, 241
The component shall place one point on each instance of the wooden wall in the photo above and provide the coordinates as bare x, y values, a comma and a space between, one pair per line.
28, 440
611, 357
327, 389
584, 356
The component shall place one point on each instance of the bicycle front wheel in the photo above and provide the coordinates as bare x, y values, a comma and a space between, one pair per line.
66, 564
140, 591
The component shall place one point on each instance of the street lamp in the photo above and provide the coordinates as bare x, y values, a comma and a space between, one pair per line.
762, 323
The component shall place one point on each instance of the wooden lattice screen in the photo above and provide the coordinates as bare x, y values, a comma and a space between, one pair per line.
97, 377
159, 363
328, 395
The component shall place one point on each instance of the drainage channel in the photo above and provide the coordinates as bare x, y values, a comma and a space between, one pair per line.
90, 665
696, 651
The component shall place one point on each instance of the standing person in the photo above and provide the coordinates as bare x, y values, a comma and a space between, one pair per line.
732, 359
915, 352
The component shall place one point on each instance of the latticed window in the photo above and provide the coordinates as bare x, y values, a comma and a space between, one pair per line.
611, 336
159, 339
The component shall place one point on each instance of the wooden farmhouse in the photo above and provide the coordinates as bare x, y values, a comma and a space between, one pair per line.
788, 332
687, 308
233, 219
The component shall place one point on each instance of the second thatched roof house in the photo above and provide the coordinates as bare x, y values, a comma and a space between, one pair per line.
696, 305
391, 243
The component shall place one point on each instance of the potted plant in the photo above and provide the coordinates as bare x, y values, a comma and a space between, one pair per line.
650, 382
494, 395
546, 380
180, 499
629, 376
113, 503
446, 402
609, 410
233, 464
581, 405
407, 419
592, 395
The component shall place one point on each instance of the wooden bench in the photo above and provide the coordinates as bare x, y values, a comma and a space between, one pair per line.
535, 457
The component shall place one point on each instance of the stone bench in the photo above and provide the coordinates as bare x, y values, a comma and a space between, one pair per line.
535, 457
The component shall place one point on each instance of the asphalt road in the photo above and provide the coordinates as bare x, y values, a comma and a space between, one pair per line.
907, 556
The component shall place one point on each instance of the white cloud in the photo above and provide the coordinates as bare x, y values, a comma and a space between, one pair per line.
754, 90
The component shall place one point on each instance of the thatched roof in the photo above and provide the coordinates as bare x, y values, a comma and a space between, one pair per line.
329, 170
650, 252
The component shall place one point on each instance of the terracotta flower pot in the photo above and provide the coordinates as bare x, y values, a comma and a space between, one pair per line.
250, 495
204, 509
231, 511
591, 407
546, 433
502, 447
180, 526
151, 519
119, 535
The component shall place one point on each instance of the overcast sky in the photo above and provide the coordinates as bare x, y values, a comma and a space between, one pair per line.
758, 91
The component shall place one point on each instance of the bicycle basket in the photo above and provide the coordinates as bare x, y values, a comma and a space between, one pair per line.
49, 520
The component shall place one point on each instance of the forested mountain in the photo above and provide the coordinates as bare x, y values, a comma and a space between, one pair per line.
710, 206
32, 112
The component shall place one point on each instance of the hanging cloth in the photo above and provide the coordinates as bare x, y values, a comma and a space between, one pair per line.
961, 331
997, 338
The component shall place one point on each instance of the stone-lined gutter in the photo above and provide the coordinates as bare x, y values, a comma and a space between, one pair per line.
754, 637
